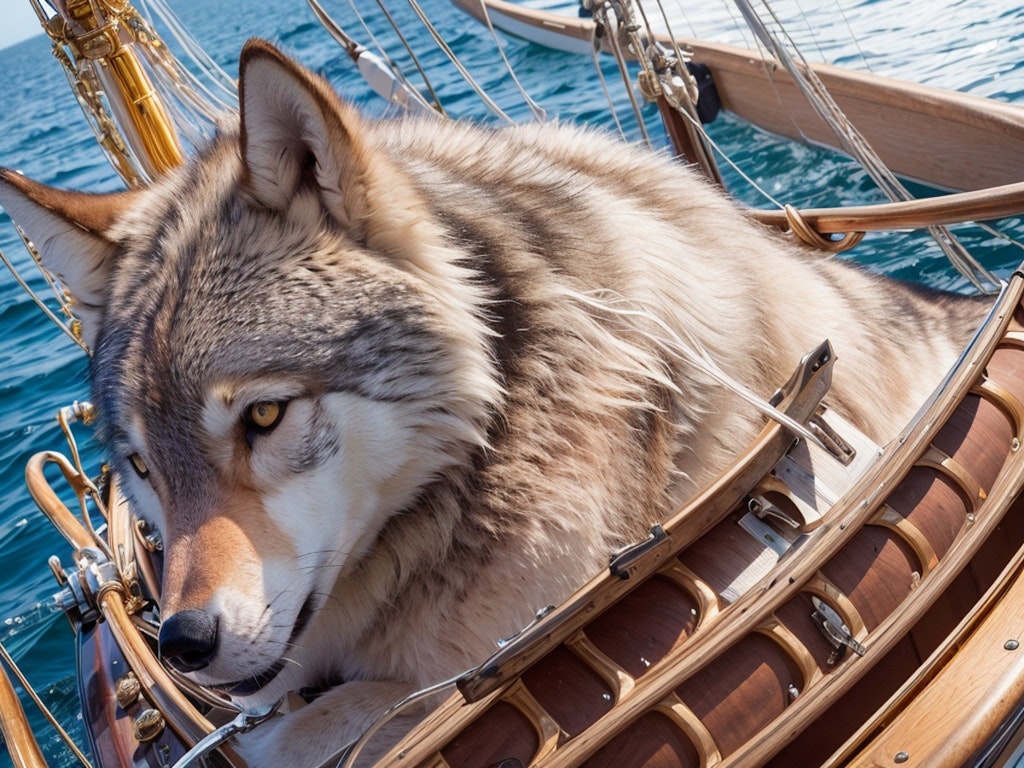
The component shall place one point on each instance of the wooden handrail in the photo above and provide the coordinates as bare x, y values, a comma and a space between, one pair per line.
993, 203
21, 742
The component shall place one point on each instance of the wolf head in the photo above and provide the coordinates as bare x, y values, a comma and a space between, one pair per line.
286, 351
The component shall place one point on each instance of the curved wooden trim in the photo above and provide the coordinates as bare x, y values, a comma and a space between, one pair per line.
1006, 401
936, 734
684, 718
620, 681
548, 731
888, 517
992, 203
794, 649
951, 468
707, 599
823, 588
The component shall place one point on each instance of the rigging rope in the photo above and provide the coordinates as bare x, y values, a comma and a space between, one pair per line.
855, 143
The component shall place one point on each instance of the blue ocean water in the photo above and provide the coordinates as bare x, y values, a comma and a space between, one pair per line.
971, 45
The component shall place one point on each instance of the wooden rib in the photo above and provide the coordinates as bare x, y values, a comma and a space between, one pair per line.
821, 586
889, 518
548, 731
954, 470
1006, 401
620, 681
1014, 338
706, 597
794, 649
684, 719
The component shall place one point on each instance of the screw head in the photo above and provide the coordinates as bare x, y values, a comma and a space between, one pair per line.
901, 757
1011, 645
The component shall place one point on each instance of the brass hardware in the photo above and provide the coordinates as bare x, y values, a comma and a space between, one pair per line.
149, 725
127, 690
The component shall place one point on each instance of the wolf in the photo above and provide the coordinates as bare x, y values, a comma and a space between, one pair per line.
385, 388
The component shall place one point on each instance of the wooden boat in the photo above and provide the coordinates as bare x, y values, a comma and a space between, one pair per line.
812, 606
960, 141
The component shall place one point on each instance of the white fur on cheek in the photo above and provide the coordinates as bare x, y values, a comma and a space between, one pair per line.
334, 510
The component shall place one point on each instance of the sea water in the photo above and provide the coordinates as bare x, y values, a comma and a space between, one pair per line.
971, 45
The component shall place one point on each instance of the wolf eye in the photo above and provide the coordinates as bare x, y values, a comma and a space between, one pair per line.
265, 415
139, 465
261, 418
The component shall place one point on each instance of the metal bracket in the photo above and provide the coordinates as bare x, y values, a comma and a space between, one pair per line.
92, 574
831, 625
625, 562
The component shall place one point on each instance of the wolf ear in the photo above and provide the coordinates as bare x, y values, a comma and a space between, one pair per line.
296, 130
67, 229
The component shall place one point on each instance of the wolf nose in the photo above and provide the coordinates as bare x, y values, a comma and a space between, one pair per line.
188, 639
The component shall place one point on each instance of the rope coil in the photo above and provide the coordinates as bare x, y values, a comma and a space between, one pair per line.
800, 227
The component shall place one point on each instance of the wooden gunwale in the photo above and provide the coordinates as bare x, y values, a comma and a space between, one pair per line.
753, 612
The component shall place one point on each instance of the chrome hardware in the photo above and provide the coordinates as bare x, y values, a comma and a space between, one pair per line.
149, 535
243, 723
831, 439
503, 641
765, 534
763, 508
626, 561
57, 569
83, 412
93, 573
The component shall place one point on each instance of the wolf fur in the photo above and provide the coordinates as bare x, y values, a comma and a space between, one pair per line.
473, 344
